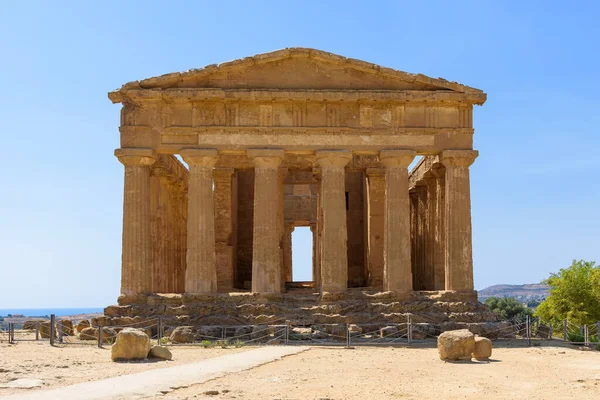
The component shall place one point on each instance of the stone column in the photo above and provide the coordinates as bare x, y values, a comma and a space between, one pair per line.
266, 257
438, 231
201, 272
136, 267
334, 257
397, 270
281, 175
315, 270
223, 228
459, 248
376, 228
287, 252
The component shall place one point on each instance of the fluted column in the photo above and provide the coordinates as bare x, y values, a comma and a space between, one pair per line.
287, 252
201, 272
315, 265
266, 257
438, 231
224, 227
136, 266
334, 257
376, 227
396, 248
459, 247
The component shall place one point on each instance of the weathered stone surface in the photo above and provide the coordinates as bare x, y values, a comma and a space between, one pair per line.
260, 333
483, 348
108, 334
83, 324
66, 327
543, 331
130, 344
210, 332
297, 333
389, 332
45, 329
297, 127
183, 334
456, 345
32, 324
160, 352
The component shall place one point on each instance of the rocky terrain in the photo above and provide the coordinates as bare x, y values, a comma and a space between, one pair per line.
523, 293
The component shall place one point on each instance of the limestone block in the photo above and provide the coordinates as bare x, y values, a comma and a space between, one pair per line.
66, 326
183, 334
456, 345
31, 324
389, 332
483, 348
210, 333
160, 352
300, 333
131, 344
82, 325
91, 333
319, 335
260, 333
543, 331
243, 332
422, 331
45, 330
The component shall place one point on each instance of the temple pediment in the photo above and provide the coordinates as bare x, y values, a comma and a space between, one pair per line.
296, 69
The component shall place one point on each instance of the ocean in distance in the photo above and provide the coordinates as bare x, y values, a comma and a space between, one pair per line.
40, 312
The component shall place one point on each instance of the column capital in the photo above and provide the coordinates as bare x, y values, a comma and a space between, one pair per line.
136, 157
266, 158
333, 158
458, 158
224, 171
375, 172
397, 158
200, 157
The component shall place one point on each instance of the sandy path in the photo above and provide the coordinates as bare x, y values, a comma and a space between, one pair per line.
147, 384
69, 364
393, 373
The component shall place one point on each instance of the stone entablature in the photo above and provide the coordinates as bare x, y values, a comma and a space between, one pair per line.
296, 137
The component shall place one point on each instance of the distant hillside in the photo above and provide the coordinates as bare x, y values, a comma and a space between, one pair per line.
533, 291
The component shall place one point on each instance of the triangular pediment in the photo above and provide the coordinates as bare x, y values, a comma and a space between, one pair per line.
297, 69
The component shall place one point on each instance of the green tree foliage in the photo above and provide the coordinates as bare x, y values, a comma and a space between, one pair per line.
508, 308
574, 295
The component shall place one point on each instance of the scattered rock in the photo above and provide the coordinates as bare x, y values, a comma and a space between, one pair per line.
160, 352
456, 345
211, 392
82, 325
131, 344
45, 330
483, 348
389, 332
108, 334
243, 332
319, 335
543, 331
300, 333
182, 334
66, 326
31, 324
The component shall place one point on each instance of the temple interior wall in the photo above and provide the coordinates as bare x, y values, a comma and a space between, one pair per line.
245, 227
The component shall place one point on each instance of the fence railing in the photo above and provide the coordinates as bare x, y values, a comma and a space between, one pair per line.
282, 332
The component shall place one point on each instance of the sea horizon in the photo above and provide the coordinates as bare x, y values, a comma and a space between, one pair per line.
58, 311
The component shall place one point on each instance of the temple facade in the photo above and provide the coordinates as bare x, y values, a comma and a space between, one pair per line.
295, 138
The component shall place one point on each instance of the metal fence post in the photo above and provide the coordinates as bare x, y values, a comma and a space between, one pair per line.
10, 325
287, 332
159, 330
586, 335
100, 336
37, 330
551, 333
528, 330
52, 329
565, 335
409, 329
347, 335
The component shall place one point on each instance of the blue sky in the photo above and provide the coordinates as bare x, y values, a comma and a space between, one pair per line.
535, 186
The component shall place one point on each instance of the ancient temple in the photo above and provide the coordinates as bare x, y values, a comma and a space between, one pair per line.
295, 137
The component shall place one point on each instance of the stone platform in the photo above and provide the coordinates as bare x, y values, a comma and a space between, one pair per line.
302, 307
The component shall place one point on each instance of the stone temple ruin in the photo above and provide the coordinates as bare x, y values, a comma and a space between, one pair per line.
297, 137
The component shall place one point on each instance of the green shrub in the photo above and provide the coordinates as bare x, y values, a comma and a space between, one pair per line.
598, 347
206, 344
238, 343
222, 343
164, 340
575, 337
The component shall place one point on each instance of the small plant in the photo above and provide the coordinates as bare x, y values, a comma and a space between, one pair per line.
164, 340
598, 347
575, 337
206, 344
222, 343
238, 343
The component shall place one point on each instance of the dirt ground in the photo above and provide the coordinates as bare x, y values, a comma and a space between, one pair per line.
68, 364
334, 372
409, 373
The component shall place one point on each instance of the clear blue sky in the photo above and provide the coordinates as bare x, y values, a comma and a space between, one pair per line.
535, 186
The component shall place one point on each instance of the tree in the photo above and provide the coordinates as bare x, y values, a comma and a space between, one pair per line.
508, 308
574, 295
